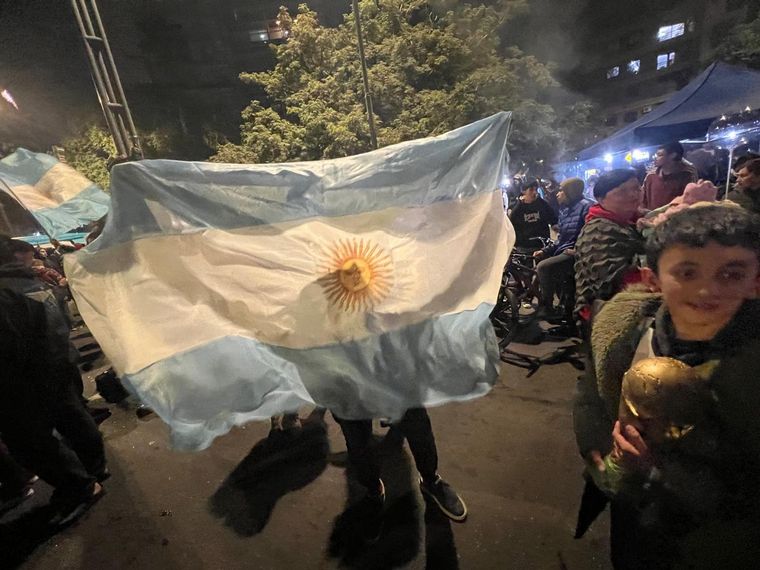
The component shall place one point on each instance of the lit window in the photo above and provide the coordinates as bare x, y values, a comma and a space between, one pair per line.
258, 35
666, 33
613, 72
666, 60
634, 66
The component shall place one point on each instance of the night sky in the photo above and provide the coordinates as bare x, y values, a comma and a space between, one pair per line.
44, 66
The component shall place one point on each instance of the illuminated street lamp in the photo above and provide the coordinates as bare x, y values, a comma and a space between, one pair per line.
5, 94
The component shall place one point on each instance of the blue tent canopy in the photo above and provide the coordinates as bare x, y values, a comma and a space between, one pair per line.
720, 89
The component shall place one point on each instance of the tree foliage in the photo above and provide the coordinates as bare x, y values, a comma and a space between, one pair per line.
92, 151
89, 153
743, 44
433, 66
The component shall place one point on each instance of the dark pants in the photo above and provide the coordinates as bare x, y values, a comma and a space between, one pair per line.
553, 273
415, 427
72, 467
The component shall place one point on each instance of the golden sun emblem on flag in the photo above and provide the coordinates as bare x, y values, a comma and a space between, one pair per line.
358, 275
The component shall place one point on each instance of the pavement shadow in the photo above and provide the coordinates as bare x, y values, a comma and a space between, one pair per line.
20, 536
399, 541
440, 549
278, 464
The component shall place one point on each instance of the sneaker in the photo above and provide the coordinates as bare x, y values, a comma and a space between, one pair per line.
12, 502
447, 499
71, 512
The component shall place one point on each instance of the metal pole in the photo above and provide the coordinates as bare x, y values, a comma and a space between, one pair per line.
100, 87
367, 92
123, 98
107, 82
728, 176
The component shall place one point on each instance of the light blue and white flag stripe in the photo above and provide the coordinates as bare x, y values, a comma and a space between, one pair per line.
59, 197
225, 293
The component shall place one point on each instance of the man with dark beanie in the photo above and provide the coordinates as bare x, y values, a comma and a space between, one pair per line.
607, 248
558, 260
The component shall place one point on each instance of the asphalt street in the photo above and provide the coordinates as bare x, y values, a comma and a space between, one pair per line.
254, 501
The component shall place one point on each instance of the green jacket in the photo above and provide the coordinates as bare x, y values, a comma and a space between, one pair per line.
616, 333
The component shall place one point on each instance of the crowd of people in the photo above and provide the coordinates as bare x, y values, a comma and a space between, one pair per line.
664, 278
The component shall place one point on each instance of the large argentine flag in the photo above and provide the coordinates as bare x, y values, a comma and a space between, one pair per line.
225, 293
57, 196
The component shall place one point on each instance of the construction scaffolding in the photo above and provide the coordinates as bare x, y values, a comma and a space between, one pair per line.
107, 83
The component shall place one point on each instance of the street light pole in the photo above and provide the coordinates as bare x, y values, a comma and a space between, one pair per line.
367, 92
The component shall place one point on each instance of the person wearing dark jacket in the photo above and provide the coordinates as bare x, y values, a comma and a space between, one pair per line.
557, 260
37, 398
746, 193
531, 218
606, 253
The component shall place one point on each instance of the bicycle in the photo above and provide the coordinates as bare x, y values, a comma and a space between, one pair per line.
519, 285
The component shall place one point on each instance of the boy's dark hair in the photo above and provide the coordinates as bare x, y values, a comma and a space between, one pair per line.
610, 180
725, 224
674, 147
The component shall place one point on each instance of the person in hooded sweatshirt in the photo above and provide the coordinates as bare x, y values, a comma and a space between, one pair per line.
531, 218
607, 250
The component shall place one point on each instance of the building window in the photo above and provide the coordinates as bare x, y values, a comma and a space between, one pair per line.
634, 66
611, 121
613, 72
666, 33
665, 60
630, 116
258, 36
267, 31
